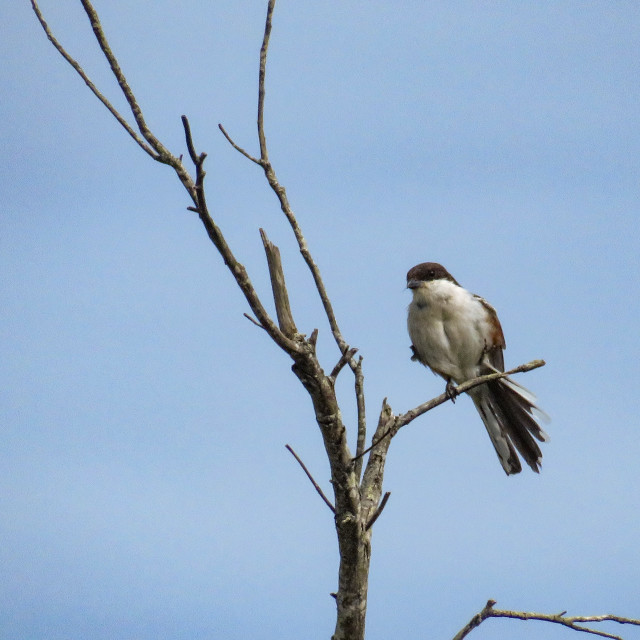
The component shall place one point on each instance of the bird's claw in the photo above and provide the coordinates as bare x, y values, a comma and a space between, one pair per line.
452, 391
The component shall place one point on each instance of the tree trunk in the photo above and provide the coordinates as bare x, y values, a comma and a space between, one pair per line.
355, 556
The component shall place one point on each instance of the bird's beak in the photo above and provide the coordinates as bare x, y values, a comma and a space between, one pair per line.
413, 284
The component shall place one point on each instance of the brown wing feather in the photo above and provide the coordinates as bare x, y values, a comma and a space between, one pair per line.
496, 342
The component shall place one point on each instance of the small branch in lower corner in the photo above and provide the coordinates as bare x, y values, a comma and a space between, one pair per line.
570, 622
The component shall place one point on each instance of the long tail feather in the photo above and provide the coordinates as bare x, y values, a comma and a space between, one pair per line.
509, 415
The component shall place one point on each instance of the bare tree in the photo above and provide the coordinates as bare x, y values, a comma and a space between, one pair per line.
357, 478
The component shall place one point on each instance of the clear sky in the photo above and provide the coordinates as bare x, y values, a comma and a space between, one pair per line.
145, 491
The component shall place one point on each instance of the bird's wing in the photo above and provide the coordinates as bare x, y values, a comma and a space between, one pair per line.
496, 342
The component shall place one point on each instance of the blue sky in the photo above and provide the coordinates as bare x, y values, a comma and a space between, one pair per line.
145, 488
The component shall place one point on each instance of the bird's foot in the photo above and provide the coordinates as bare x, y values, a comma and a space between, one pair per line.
451, 390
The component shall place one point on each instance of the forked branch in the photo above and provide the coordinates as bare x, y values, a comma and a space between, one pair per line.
280, 191
80, 71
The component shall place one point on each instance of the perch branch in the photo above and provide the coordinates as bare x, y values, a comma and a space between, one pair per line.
568, 621
313, 482
404, 419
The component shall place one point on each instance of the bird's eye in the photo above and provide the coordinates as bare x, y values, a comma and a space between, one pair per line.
431, 273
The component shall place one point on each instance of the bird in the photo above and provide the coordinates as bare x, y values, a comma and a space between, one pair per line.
457, 335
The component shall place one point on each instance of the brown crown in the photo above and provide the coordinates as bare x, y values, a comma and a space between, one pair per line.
427, 271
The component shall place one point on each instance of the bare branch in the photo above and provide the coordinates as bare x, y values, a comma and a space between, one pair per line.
279, 287
379, 510
568, 621
114, 112
405, 418
313, 482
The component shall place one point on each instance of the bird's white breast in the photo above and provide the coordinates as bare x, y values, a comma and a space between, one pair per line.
448, 327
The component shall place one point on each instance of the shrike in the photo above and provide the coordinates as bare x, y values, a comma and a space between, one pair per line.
458, 336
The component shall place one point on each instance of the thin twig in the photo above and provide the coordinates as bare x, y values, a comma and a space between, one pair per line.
379, 510
248, 317
264, 155
559, 618
313, 482
238, 148
404, 419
